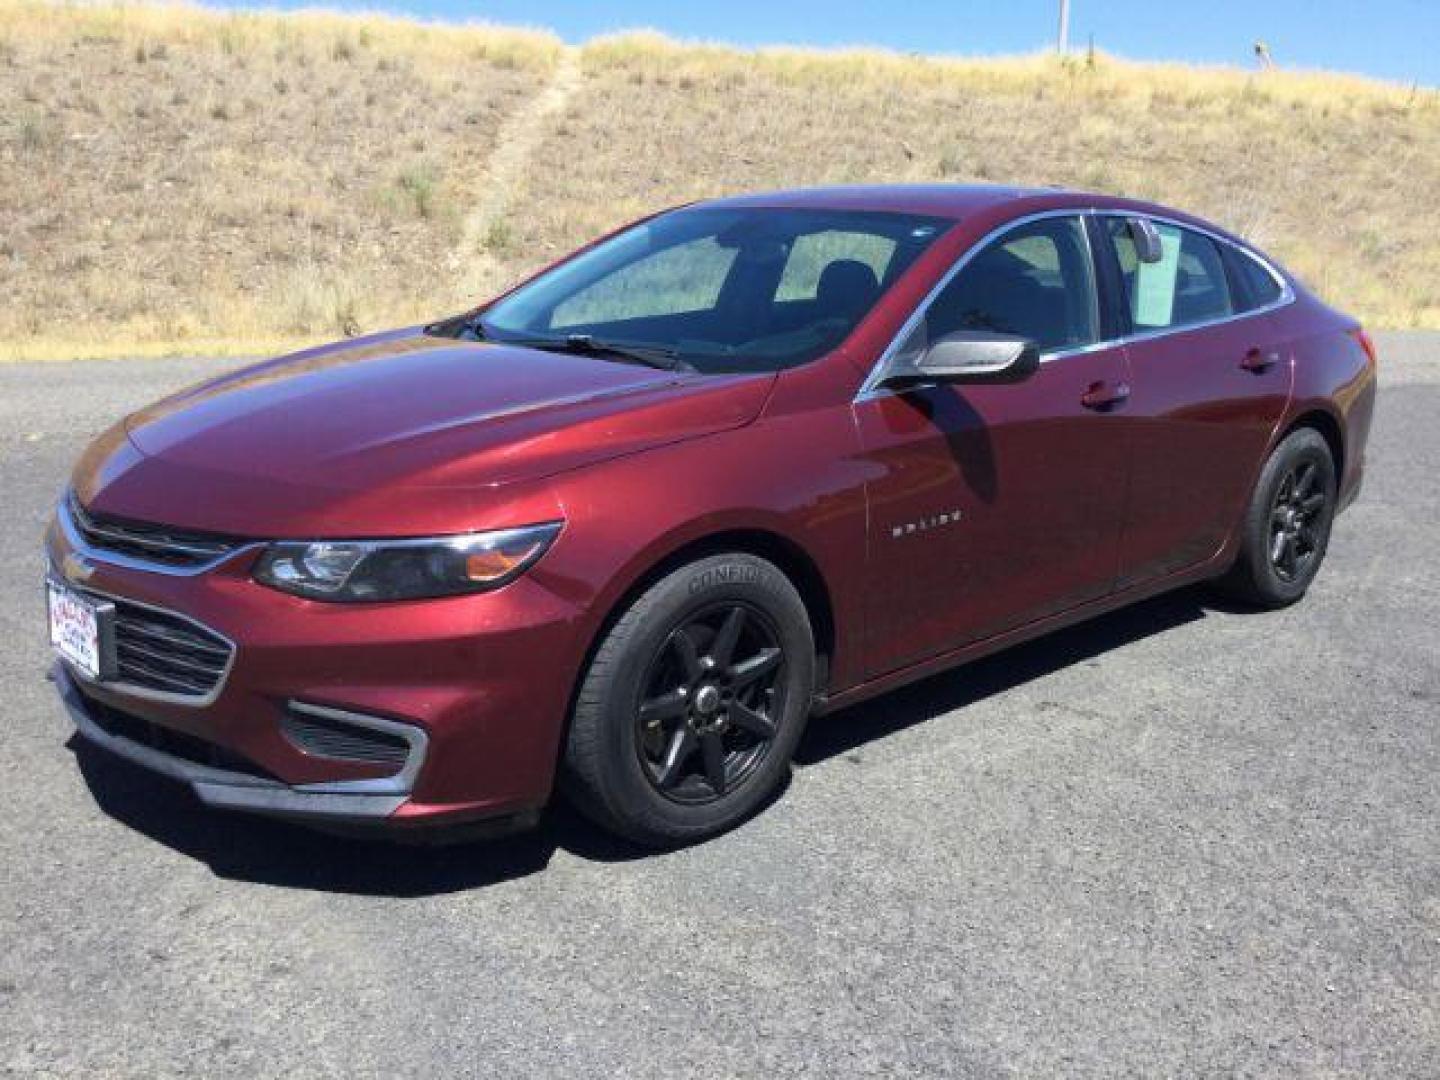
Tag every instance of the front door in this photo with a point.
(992, 506)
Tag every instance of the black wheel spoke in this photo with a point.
(758, 666)
(723, 647)
(1277, 547)
(681, 746)
(747, 719)
(1289, 553)
(1313, 504)
(684, 646)
(665, 707)
(1305, 482)
(713, 751)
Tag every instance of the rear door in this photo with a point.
(1210, 378)
(992, 506)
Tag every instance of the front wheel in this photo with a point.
(1287, 526)
(691, 708)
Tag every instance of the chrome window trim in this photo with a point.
(871, 388)
(197, 701)
(129, 562)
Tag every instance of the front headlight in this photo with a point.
(362, 570)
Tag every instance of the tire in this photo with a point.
(1286, 528)
(688, 714)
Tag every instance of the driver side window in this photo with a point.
(1035, 282)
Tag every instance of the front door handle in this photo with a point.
(1102, 395)
(1258, 360)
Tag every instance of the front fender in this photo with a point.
(793, 478)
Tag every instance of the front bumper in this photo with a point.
(230, 789)
(478, 685)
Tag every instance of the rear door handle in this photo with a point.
(1102, 395)
(1258, 360)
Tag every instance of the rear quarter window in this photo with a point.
(1254, 285)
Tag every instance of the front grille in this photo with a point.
(327, 737)
(166, 740)
(156, 650)
(150, 543)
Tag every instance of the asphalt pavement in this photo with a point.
(1182, 840)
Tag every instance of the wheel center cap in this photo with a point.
(707, 700)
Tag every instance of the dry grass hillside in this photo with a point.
(173, 179)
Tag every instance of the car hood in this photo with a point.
(400, 428)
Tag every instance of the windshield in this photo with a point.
(720, 290)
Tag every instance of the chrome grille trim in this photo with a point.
(143, 546)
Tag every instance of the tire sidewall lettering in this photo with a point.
(726, 574)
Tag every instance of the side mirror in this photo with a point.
(970, 356)
(1146, 238)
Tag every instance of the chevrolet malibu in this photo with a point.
(626, 527)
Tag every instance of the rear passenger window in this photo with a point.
(1035, 282)
(1186, 286)
(1255, 286)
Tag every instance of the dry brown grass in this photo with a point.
(173, 179)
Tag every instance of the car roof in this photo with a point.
(956, 201)
(941, 200)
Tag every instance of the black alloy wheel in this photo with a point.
(1286, 529)
(690, 709)
(707, 716)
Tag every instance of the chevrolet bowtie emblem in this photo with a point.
(77, 568)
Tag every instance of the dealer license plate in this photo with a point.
(78, 629)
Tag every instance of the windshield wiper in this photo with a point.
(656, 356)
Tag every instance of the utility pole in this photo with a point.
(1063, 42)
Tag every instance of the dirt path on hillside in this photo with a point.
(520, 136)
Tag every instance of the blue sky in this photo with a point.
(1393, 39)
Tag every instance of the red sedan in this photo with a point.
(628, 526)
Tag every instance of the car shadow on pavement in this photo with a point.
(850, 728)
(274, 852)
(271, 852)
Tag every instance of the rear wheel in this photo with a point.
(1287, 526)
(693, 704)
